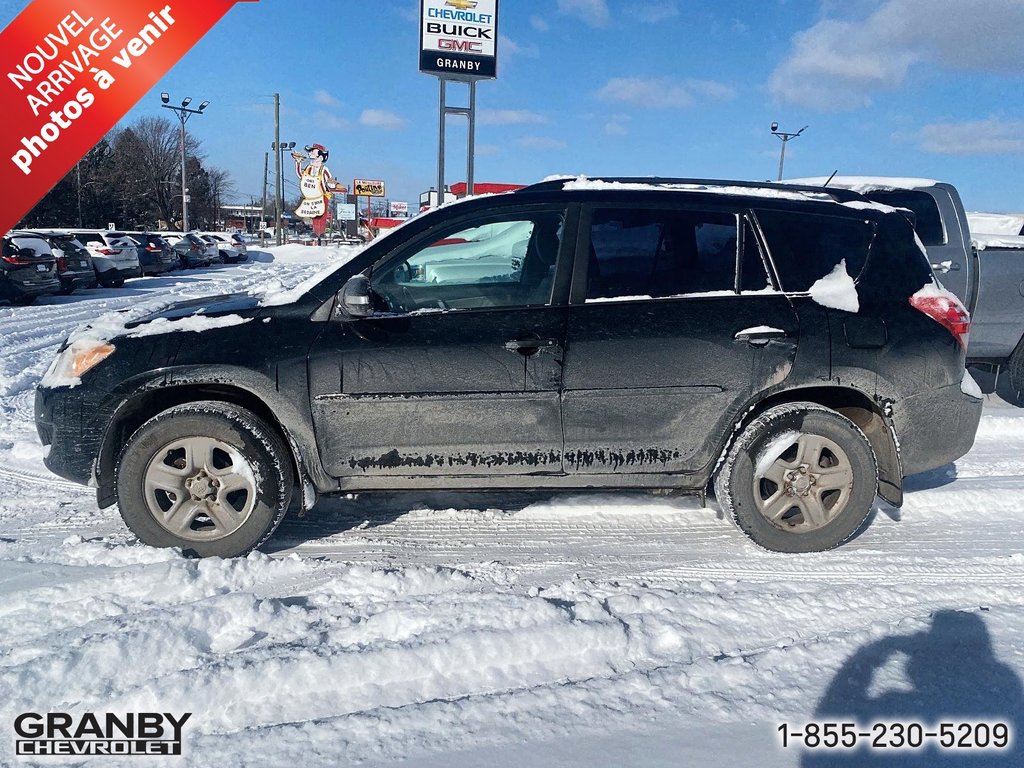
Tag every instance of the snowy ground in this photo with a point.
(507, 630)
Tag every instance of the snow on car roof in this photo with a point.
(725, 188)
(867, 183)
(768, 190)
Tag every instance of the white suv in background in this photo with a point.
(230, 245)
(114, 255)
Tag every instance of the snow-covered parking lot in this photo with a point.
(503, 629)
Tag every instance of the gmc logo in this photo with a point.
(468, 46)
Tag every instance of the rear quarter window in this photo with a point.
(926, 219)
(806, 247)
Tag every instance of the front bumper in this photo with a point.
(935, 428)
(72, 432)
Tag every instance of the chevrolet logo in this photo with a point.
(462, 5)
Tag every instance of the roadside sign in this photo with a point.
(346, 212)
(368, 188)
(459, 39)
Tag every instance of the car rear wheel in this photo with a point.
(799, 478)
(1016, 370)
(208, 477)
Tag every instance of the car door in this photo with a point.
(458, 372)
(673, 326)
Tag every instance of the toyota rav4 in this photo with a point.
(787, 347)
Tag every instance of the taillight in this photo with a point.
(945, 309)
(62, 264)
(153, 248)
(107, 251)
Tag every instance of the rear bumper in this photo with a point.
(13, 290)
(114, 275)
(72, 280)
(935, 428)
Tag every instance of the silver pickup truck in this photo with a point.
(986, 273)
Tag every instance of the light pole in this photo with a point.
(184, 113)
(786, 138)
(281, 148)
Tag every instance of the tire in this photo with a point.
(791, 513)
(197, 452)
(1015, 367)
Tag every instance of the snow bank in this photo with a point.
(981, 242)
(836, 290)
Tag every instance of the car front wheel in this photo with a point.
(799, 478)
(208, 477)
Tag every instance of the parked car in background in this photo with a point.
(74, 264)
(28, 268)
(155, 254)
(190, 249)
(231, 247)
(791, 350)
(986, 274)
(115, 256)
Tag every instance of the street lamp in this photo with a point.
(786, 138)
(184, 113)
(281, 147)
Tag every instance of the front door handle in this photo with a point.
(529, 347)
(760, 336)
(946, 266)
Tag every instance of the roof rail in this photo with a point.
(836, 193)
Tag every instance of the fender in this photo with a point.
(142, 397)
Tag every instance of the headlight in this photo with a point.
(79, 357)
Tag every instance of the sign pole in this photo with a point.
(471, 143)
(441, 141)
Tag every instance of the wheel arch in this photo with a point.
(867, 414)
(137, 410)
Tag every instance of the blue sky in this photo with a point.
(629, 87)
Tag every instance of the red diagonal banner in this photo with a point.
(70, 70)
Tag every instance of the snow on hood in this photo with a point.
(837, 290)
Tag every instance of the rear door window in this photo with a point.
(807, 247)
(658, 253)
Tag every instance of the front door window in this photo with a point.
(499, 263)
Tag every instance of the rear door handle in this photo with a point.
(946, 266)
(528, 347)
(759, 337)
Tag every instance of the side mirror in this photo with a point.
(354, 298)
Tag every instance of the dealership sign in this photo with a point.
(459, 38)
(367, 188)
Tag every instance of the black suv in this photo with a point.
(787, 345)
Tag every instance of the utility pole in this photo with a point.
(183, 113)
(263, 210)
(277, 168)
